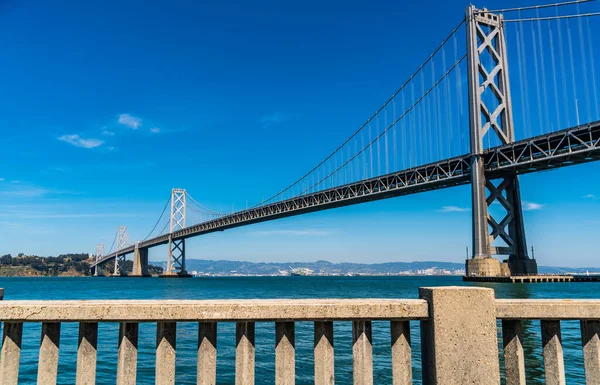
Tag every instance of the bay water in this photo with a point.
(88, 288)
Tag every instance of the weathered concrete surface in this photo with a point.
(362, 353)
(216, 310)
(207, 353)
(166, 346)
(86, 353)
(140, 263)
(554, 363)
(485, 267)
(548, 309)
(514, 357)
(48, 358)
(11, 353)
(244, 353)
(401, 353)
(128, 352)
(590, 333)
(285, 353)
(324, 354)
(459, 340)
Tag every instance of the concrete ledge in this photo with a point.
(547, 309)
(217, 310)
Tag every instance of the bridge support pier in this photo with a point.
(490, 113)
(176, 260)
(120, 266)
(140, 262)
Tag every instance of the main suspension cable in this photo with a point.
(113, 244)
(159, 218)
(531, 7)
(202, 206)
(574, 16)
(406, 83)
(390, 126)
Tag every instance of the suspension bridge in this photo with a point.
(458, 119)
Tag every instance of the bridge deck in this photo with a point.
(576, 145)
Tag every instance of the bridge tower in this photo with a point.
(121, 243)
(490, 113)
(99, 256)
(176, 257)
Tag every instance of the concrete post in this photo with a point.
(48, 358)
(459, 340)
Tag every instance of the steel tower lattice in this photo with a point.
(99, 255)
(176, 258)
(490, 113)
(121, 243)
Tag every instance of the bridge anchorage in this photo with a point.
(423, 147)
(492, 115)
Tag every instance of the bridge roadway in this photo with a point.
(575, 145)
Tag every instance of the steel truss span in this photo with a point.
(576, 145)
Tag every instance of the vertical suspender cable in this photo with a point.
(370, 154)
(385, 139)
(378, 148)
(431, 115)
(463, 146)
(574, 83)
(525, 111)
(562, 70)
(586, 87)
(412, 126)
(543, 64)
(395, 147)
(555, 82)
(537, 78)
(423, 123)
(593, 67)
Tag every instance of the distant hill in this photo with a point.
(266, 268)
(242, 267)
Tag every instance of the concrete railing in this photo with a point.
(459, 342)
(550, 312)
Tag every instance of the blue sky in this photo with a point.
(106, 106)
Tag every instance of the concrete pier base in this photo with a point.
(140, 262)
(486, 267)
(522, 266)
(184, 274)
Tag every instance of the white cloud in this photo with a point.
(78, 141)
(155, 130)
(590, 196)
(1, 179)
(275, 118)
(531, 206)
(108, 133)
(130, 121)
(21, 191)
(70, 216)
(454, 209)
(292, 232)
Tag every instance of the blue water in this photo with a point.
(268, 287)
